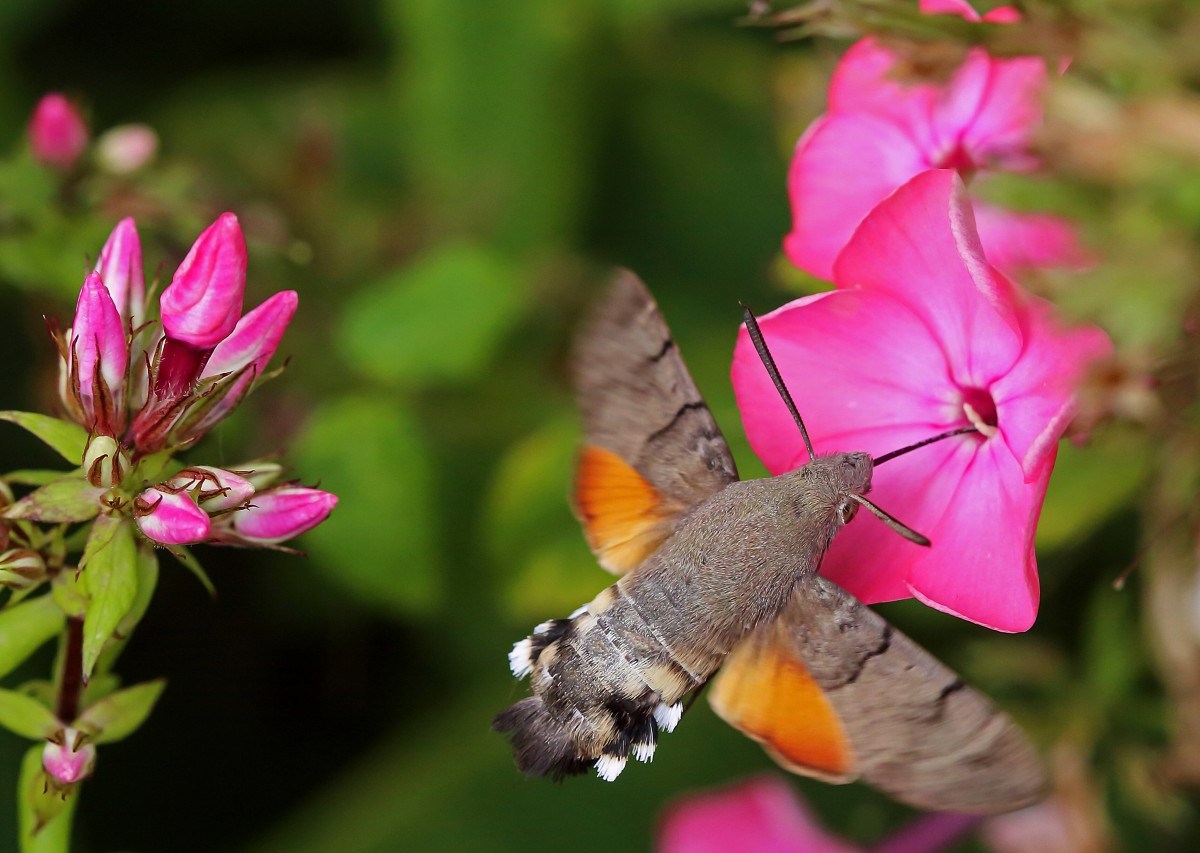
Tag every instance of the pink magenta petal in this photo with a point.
(869, 559)
(120, 267)
(98, 337)
(1007, 109)
(1035, 399)
(920, 246)
(280, 514)
(255, 338)
(843, 166)
(1014, 242)
(949, 7)
(982, 565)
(862, 368)
(865, 81)
(204, 300)
(173, 519)
(759, 816)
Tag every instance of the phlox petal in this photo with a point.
(864, 372)
(981, 566)
(1020, 241)
(1035, 399)
(1000, 107)
(922, 238)
(842, 168)
(762, 814)
(172, 518)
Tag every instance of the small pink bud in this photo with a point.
(255, 338)
(215, 489)
(277, 515)
(126, 148)
(69, 762)
(97, 357)
(170, 517)
(57, 132)
(120, 268)
(204, 300)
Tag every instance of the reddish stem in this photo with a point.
(71, 685)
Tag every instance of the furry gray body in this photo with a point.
(610, 678)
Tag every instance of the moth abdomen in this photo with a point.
(542, 746)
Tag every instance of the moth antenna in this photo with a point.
(764, 354)
(879, 460)
(896, 525)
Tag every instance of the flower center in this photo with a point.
(958, 159)
(980, 409)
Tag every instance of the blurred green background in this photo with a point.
(446, 184)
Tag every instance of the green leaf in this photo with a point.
(24, 628)
(69, 439)
(147, 581)
(33, 476)
(44, 813)
(111, 582)
(372, 455)
(189, 561)
(99, 537)
(119, 714)
(70, 499)
(440, 319)
(69, 593)
(25, 716)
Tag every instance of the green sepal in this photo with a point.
(24, 628)
(44, 812)
(110, 579)
(119, 714)
(26, 716)
(69, 439)
(71, 498)
(185, 556)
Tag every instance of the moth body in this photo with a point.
(608, 679)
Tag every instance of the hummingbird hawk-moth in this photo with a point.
(719, 580)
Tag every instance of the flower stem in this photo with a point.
(71, 685)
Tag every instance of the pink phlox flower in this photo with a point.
(58, 134)
(66, 760)
(97, 358)
(881, 130)
(761, 815)
(275, 515)
(120, 268)
(923, 336)
(169, 516)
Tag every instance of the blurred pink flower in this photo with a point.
(97, 358)
(57, 132)
(170, 516)
(758, 816)
(68, 762)
(921, 337)
(275, 515)
(880, 131)
(764, 815)
(120, 268)
(126, 148)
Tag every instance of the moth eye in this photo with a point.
(848, 510)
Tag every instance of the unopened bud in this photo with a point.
(66, 760)
(214, 489)
(21, 568)
(260, 474)
(105, 462)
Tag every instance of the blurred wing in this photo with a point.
(832, 690)
(652, 450)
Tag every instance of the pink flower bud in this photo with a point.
(170, 517)
(215, 489)
(255, 338)
(126, 148)
(68, 762)
(276, 515)
(202, 305)
(120, 267)
(97, 357)
(57, 132)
